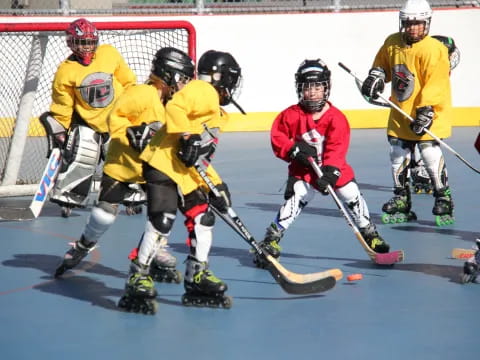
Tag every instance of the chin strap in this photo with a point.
(238, 106)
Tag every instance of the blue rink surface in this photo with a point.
(417, 309)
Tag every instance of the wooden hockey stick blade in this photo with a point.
(458, 253)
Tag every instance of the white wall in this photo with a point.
(269, 49)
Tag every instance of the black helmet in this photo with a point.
(453, 52)
(222, 71)
(312, 72)
(171, 65)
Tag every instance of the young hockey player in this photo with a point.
(193, 118)
(418, 67)
(315, 128)
(137, 115)
(84, 90)
(419, 175)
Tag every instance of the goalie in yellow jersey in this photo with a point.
(194, 118)
(137, 115)
(84, 89)
(418, 68)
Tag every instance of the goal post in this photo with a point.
(31, 53)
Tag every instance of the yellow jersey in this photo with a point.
(90, 90)
(138, 104)
(193, 109)
(420, 76)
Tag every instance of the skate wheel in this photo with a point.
(227, 302)
(386, 218)
(66, 212)
(186, 301)
(178, 277)
(418, 190)
(466, 278)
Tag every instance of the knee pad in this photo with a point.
(162, 222)
(434, 163)
(400, 157)
(206, 219)
(356, 205)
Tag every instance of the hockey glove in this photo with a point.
(223, 202)
(139, 136)
(423, 120)
(301, 151)
(56, 133)
(190, 149)
(330, 177)
(374, 83)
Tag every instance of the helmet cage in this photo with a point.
(415, 11)
(453, 52)
(82, 39)
(312, 74)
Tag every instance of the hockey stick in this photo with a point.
(46, 184)
(395, 106)
(378, 258)
(292, 283)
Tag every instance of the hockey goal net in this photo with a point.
(29, 56)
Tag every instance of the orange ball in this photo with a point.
(354, 277)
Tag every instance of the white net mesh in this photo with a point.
(29, 59)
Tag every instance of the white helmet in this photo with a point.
(416, 10)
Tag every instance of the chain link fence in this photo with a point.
(192, 7)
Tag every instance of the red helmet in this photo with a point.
(82, 39)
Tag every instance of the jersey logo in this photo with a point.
(403, 82)
(97, 90)
(315, 139)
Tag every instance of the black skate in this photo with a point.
(421, 180)
(443, 207)
(202, 288)
(374, 240)
(67, 202)
(73, 256)
(269, 245)
(398, 208)
(132, 208)
(471, 270)
(163, 268)
(139, 295)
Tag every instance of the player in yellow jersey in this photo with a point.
(418, 66)
(193, 119)
(84, 90)
(136, 116)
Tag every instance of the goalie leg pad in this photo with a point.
(103, 215)
(80, 158)
(354, 203)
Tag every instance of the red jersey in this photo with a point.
(330, 135)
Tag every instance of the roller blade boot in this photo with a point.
(374, 240)
(443, 207)
(398, 208)
(421, 181)
(202, 288)
(471, 268)
(163, 268)
(73, 256)
(269, 245)
(139, 295)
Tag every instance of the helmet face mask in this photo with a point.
(415, 17)
(82, 39)
(173, 67)
(312, 82)
(222, 71)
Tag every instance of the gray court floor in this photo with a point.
(415, 310)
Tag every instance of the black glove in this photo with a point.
(190, 149)
(139, 136)
(330, 177)
(223, 202)
(423, 120)
(374, 83)
(301, 151)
